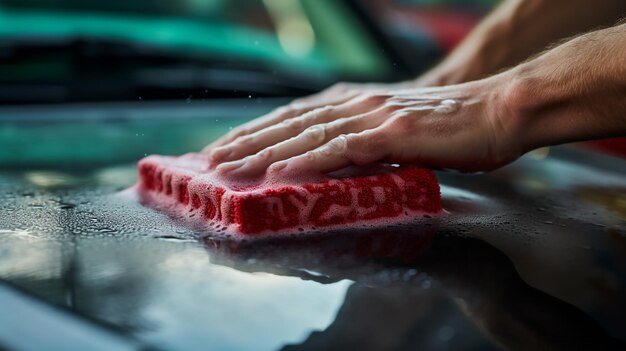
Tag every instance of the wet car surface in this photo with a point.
(530, 256)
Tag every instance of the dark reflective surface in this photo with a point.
(532, 256)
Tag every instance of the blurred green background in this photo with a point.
(86, 82)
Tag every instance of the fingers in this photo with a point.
(255, 142)
(310, 139)
(252, 143)
(356, 148)
(279, 115)
(273, 117)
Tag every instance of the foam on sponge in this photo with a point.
(286, 202)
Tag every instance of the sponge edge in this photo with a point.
(381, 194)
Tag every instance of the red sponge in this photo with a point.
(364, 195)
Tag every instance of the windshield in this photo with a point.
(299, 40)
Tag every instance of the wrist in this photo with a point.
(506, 111)
(527, 100)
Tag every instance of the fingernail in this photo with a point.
(217, 156)
(278, 166)
(220, 153)
(230, 166)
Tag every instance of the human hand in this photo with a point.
(464, 127)
(333, 96)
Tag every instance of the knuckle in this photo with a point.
(338, 145)
(314, 116)
(264, 154)
(294, 124)
(311, 156)
(315, 133)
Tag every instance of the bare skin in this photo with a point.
(575, 91)
(516, 30)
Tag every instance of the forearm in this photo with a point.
(574, 92)
(516, 30)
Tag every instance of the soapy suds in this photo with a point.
(282, 202)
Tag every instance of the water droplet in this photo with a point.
(66, 205)
(173, 238)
